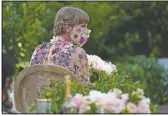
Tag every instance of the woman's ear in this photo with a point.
(68, 28)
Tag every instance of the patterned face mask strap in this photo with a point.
(72, 30)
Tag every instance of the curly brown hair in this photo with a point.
(68, 15)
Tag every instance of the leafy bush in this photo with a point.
(153, 77)
(103, 83)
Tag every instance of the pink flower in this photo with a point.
(132, 107)
(116, 105)
(77, 100)
(143, 107)
(104, 98)
(125, 97)
(83, 108)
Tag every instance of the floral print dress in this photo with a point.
(63, 52)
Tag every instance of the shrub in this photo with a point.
(104, 83)
(147, 71)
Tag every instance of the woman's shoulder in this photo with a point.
(44, 45)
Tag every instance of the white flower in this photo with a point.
(143, 107)
(146, 100)
(125, 97)
(106, 98)
(100, 64)
(132, 107)
(94, 95)
(117, 91)
(139, 93)
(133, 93)
(112, 94)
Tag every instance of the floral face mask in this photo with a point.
(80, 36)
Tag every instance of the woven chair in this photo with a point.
(31, 79)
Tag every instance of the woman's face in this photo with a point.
(80, 34)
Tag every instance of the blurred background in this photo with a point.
(131, 35)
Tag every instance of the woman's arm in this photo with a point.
(80, 65)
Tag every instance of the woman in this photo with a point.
(70, 34)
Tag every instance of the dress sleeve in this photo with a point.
(80, 65)
(32, 60)
(37, 56)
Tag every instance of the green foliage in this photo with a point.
(117, 27)
(153, 77)
(20, 66)
(56, 93)
(24, 27)
(140, 29)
